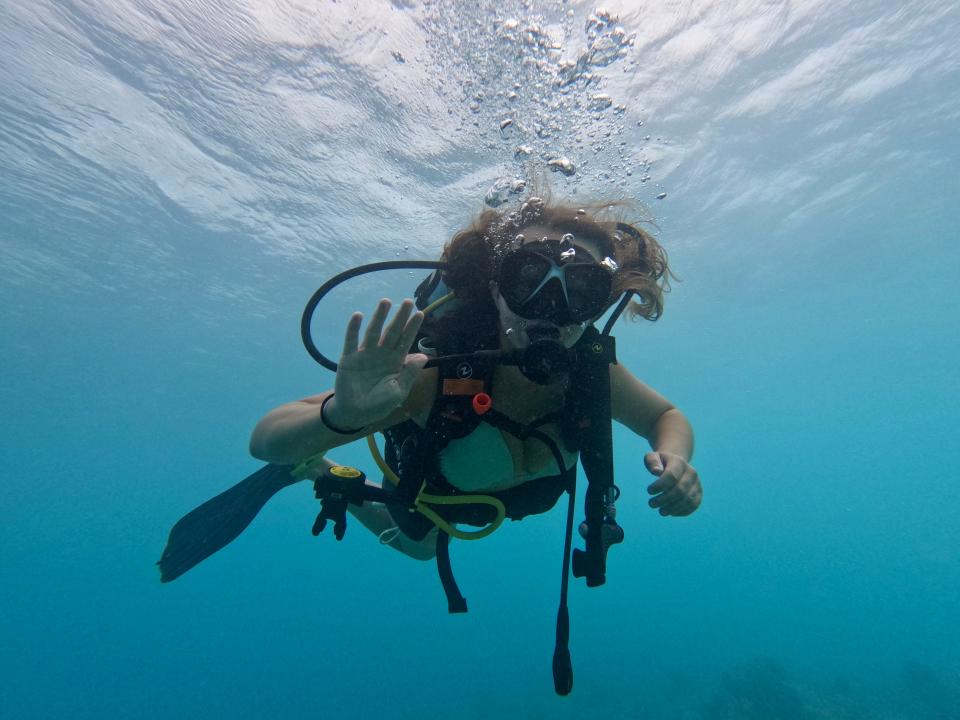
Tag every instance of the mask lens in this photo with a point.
(588, 290)
(520, 275)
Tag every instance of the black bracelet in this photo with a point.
(327, 423)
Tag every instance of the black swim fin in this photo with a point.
(216, 523)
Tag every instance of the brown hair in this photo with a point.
(473, 254)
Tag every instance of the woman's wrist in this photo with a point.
(332, 426)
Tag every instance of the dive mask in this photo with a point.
(551, 280)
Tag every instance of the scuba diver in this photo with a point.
(487, 391)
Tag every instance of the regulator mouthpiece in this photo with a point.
(546, 361)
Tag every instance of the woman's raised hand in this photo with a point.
(375, 375)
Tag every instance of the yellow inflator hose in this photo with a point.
(424, 499)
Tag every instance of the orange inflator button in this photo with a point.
(481, 403)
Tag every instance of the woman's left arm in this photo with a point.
(677, 490)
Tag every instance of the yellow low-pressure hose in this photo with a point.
(437, 303)
(424, 499)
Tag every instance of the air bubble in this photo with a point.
(563, 165)
(600, 102)
(532, 209)
(501, 190)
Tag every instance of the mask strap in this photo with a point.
(621, 306)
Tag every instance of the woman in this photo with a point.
(542, 274)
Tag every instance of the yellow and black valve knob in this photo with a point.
(335, 488)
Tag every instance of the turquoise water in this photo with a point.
(178, 177)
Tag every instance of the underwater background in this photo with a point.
(178, 176)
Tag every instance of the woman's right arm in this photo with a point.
(373, 384)
(296, 430)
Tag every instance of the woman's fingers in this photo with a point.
(685, 505)
(398, 334)
(410, 331)
(667, 496)
(677, 490)
(684, 498)
(397, 330)
(394, 337)
(371, 338)
(670, 501)
(352, 337)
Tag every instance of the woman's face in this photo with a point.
(516, 332)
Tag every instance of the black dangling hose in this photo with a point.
(456, 602)
(562, 663)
